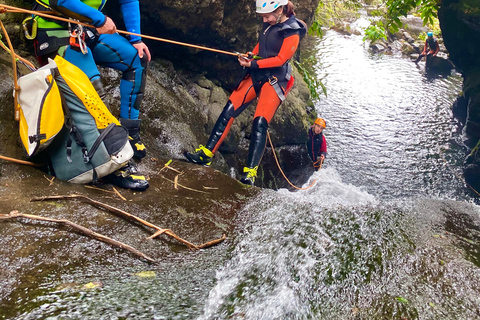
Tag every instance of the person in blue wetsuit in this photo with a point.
(88, 47)
(103, 47)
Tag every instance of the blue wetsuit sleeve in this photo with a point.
(76, 8)
(131, 16)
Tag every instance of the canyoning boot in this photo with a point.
(258, 139)
(249, 175)
(128, 178)
(201, 156)
(133, 127)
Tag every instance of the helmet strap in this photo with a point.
(279, 17)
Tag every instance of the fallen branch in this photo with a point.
(122, 213)
(79, 228)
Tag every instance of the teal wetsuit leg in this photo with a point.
(114, 51)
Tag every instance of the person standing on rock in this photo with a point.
(431, 45)
(86, 47)
(317, 144)
(269, 78)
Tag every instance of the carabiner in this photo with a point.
(33, 34)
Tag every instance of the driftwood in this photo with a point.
(124, 214)
(16, 215)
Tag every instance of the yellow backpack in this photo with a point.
(41, 112)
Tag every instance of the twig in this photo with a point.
(212, 243)
(118, 193)
(167, 166)
(175, 182)
(210, 188)
(158, 232)
(50, 180)
(184, 186)
(79, 228)
(99, 189)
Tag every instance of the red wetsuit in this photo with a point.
(269, 79)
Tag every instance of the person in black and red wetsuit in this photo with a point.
(269, 79)
(317, 144)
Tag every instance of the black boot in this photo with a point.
(128, 178)
(133, 127)
(201, 156)
(258, 140)
(249, 175)
(419, 58)
(219, 129)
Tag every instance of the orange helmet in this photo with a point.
(321, 123)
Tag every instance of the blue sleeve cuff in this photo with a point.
(131, 16)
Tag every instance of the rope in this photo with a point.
(27, 63)
(16, 87)
(458, 176)
(8, 8)
(278, 164)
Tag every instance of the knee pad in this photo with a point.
(259, 127)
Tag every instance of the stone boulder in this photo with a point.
(438, 64)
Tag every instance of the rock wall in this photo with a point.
(460, 24)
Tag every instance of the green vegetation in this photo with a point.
(312, 82)
(426, 9)
(375, 32)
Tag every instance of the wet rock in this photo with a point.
(408, 37)
(378, 47)
(438, 64)
(413, 25)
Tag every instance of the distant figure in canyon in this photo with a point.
(269, 78)
(317, 144)
(431, 47)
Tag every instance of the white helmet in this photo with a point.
(267, 6)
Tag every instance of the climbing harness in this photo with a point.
(278, 164)
(77, 38)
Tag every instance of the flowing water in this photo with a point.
(389, 231)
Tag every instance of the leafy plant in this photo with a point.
(428, 10)
(375, 32)
(312, 82)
